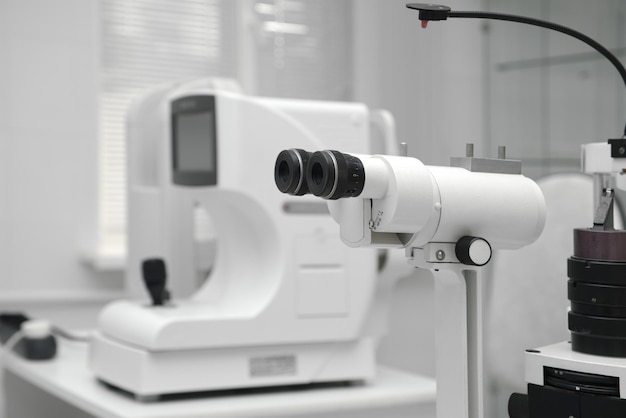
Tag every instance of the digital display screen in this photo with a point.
(195, 142)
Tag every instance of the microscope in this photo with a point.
(449, 219)
(283, 302)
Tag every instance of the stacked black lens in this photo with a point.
(597, 292)
(326, 174)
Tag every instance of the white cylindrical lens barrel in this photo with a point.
(410, 201)
(376, 177)
(507, 210)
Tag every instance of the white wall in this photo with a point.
(48, 150)
(48, 160)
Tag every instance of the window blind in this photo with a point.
(304, 49)
(146, 43)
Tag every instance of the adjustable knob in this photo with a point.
(473, 251)
(154, 277)
(518, 406)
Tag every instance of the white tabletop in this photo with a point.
(68, 378)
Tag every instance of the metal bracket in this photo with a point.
(487, 165)
(498, 165)
(618, 147)
(603, 219)
(436, 253)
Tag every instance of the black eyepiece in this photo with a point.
(333, 175)
(326, 174)
(289, 171)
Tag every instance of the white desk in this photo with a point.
(65, 387)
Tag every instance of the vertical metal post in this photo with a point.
(459, 331)
(404, 149)
(502, 153)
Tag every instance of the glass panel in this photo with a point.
(548, 93)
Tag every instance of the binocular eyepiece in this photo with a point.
(326, 174)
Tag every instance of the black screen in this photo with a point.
(195, 144)
(194, 141)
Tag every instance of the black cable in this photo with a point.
(434, 12)
(72, 336)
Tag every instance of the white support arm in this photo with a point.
(459, 337)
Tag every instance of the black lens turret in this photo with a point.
(597, 292)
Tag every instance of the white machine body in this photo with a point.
(561, 356)
(405, 203)
(285, 301)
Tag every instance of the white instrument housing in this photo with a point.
(406, 203)
(285, 302)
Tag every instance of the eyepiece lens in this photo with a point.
(326, 174)
(289, 171)
(317, 173)
(334, 175)
(283, 171)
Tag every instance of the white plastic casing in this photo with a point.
(596, 160)
(507, 210)
(282, 285)
(561, 356)
(36, 328)
(405, 202)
